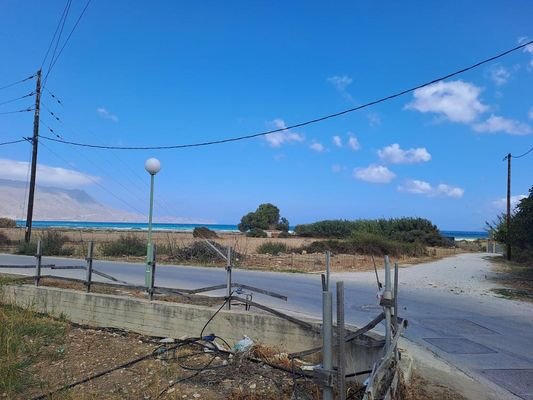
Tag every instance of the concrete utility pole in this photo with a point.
(35, 142)
(508, 206)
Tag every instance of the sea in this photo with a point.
(126, 226)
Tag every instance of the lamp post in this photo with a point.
(152, 166)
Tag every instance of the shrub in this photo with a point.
(204, 233)
(266, 216)
(368, 244)
(52, 243)
(256, 232)
(202, 252)
(284, 235)
(4, 240)
(273, 248)
(126, 245)
(7, 223)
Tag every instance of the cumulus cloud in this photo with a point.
(393, 154)
(340, 82)
(337, 141)
(457, 101)
(425, 188)
(501, 203)
(495, 124)
(353, 143)
(276, 139)
(500, 75)
(105, 114)
(46, 175)
(529, 47)
(374, 174)
(318, 147)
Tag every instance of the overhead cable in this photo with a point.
(18, 98)
(17, 111)
(305, 123)
(59, 24)
(523, 155)
(12, 142)
(17, 82)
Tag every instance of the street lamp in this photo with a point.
(152, 166)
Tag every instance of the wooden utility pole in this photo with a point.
(508, 206)
(35, 142)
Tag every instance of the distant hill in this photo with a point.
(56, 204)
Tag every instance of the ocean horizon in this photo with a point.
(158, 226)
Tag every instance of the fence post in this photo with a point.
(327, 338)
(341, 355)
(89, 270)
(38, 257)
(328, 262)
(395, 320)
(228, 277)
(152, 271)
(387, 298)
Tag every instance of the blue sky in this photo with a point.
(167, 72)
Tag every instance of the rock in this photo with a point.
(252, 386)
(172, 390)
(196, 395)
(166, 340)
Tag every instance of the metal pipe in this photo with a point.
(89, 270)
(341, 355)
(228, 277)
(38, 257)
(327, 343)
(387, 297)
(395, 320)
(149, 249)
(328, 262)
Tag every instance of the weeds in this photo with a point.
(126, 245)
(52, 242)
(274, 248)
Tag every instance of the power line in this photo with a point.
(308, 122)
(54, 96)
(50, 112)
(17, 82)
(18, 98)
(523, 155)
(62, 22)
(67, 40)
(18, 111)
(63, 16)
(12, 142)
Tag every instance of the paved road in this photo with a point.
(448, 303)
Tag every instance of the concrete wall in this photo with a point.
(165, 319)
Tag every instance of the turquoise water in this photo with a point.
(469, 235)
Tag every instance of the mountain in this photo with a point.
(57, 204)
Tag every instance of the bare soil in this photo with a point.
(516, 279)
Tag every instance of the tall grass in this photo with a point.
(24, 336)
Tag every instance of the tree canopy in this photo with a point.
(521, 234)
(266, 216)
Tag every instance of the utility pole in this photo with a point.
(35, 141)
(508, 206)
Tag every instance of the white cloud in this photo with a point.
(500, 75)
(496, 124)
(340, 82)
(46, 175)
(353, 143)
(337, 141)
(106, 114)
(457, 101)
(318, 147)
(425, 188)
(336, 168)
(374, 119)
(374, 174)
(276, 139)
(501, 204)
(530, 113)
(416, 186)
(395, 155)
(450, 191)
(529, 47)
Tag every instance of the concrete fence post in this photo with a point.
(387, 298)
(152, 271)
(327, 344)
(38, 258)
(89, 269)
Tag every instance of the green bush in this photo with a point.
(266, 216)
(284, 235)
(204, 233)
(273, 248)
(366, 243)
(411, 230)
(7, 223)
(126, 245)
(201, 252)
(256, 232)
(52, 244)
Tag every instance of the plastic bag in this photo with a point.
(244, 344)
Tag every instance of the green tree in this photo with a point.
(521, 232)
(265, 217)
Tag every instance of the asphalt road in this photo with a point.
(448, 303)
